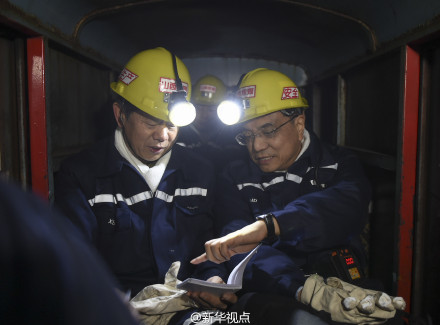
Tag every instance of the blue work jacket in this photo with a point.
(140, 233)
(46, 260)
(320, 202)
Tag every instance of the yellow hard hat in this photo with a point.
(265, 91)
(148, 79)
(208, 90)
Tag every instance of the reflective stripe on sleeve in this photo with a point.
(290, 177)
(294, 178)
(241, 186)
(334, 166)
(192, 191)
(111, 198)
(143, 196)
(276, 180)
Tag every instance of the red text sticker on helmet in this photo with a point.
(246, 92)
(290, 93)
(127, 76)
(168, 85)
(208, 88)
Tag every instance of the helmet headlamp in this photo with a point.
(263, 91)
(181, 112)
(231, 110)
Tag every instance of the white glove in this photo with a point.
(348, 303)
(158, 303)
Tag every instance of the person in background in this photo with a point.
(301, 197)
(50, 275)
(207, 136)
(143, 202)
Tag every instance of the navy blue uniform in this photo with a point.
(50, 275)
(140, 233)
(320, 202)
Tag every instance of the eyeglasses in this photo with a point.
(245, 137)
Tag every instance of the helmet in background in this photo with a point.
(209, 90)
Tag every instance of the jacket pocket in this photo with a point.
(192, 205)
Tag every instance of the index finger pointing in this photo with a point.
(200, 259)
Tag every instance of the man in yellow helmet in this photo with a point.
(143, 202)
(207, 135)
(207, 93)
(301, 197)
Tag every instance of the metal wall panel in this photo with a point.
(9, 148)
(432, 251)
(370, 96)
(326, 111)
(427, 241)
(372, 99)
(80, 105)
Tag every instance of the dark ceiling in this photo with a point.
(315, 34)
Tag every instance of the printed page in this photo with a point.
(234, 281)
(236, 276)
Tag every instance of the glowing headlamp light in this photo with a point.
(230, 111)
(181, 112)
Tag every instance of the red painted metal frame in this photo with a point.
(408, 172)
(37, 116)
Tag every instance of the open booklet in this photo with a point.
(234, 281)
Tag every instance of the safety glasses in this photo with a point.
(245, 137)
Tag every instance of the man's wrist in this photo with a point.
(270, 225)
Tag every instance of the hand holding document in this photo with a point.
(234, 281)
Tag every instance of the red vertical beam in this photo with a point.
(408, 172)
(37, 116)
